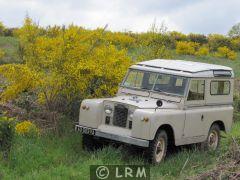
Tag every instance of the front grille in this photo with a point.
(120, 115)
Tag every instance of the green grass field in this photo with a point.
(51, 157)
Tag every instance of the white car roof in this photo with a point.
(181, 67)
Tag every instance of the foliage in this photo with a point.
(2, 29)
(236, 105)
(6, 132)
(226, 53)
(217, 40)
(186, 48)
(19, 79)
(2, 53)
(178, 36)
(202, 51)
(198, 38)
(235, 44)
(119, 39)
(64, 63)
(67, 64)
(235, 31)
(27, 128)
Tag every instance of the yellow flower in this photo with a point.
(26, 128)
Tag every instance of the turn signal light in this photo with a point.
(85, 107)
(145, 119)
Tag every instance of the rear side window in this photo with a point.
(220, 87)
(196, 91)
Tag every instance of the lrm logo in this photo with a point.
(112, 172)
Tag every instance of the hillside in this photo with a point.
(47, 90)
(11, 46)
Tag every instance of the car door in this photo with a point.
(194, 109)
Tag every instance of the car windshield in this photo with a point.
(145, 80)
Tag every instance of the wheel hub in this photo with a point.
(213, 140)
(160, 148)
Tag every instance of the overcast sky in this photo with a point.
(198, 16)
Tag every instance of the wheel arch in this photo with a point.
(221, 125)
(170, 133)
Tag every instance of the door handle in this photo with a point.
(202, 117)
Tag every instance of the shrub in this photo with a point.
(119, 39)
(178, 36)
(186, 48)
(202, 51)
(27, 128)
(2, 29)
(225, 52)
(2, 53)
(6, 132)
(217, 40)
(198, 38)
(235, 44)
(70, 65)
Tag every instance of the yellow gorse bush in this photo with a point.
(26, 128)
(186, 48)
(235, 44)
(68, 62)
(225, 52)
(202, 51)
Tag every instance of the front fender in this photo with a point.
(147, 130)
(140, 128)
(91, 112)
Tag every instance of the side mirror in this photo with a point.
(159, 103)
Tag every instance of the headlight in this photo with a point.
(108, 109)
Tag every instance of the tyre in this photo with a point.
(158, 148)
(213, 139)
(89, 143)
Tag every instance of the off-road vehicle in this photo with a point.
(161, 103)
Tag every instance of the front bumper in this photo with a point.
(115, 137)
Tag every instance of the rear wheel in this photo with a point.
(158, 148)
(213, 139)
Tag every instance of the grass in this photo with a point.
(51, 157)
(10, 46)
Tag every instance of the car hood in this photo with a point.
(143, 102)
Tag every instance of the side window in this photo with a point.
(196, 90)
(220, 87)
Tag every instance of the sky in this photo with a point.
(197, 16)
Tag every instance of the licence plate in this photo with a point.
(85, 130)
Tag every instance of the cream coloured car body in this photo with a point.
(190, 121)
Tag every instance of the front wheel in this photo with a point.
(213, 139)
(89, 143)
(158, 148)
